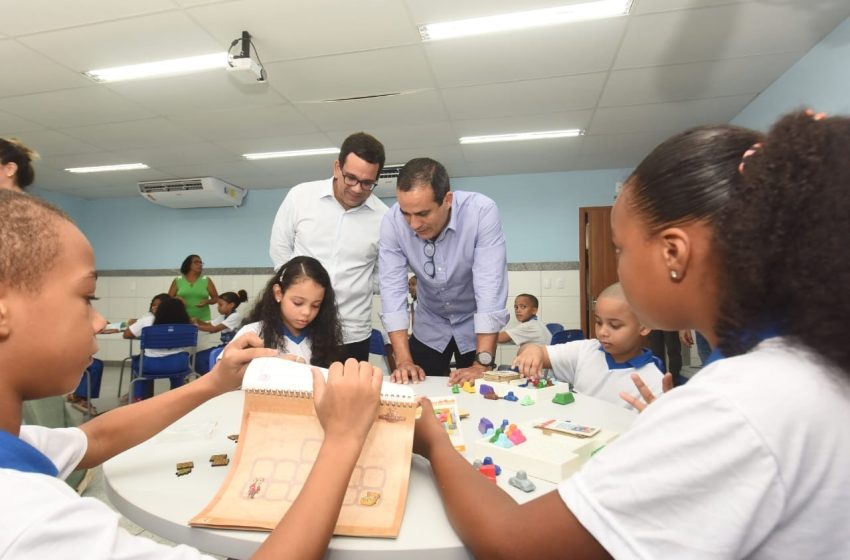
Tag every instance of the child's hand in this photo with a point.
(645, 392)
(428, 429)
(347, 403)
(235, 357)
(529, 360)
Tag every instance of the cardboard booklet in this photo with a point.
(279, 441)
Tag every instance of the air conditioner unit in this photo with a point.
(200, 192)
(387, 181)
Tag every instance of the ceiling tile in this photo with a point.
(522, 55)
(677, 115)
(32, 16)
(33, 72)
(551, 95)
(277, 143)
(538, 156)
(205, 91)
(126, 41)
(11, 124)
(180, 154)
(726, 31)
(525, 123)
(292, 30)
(134, 134)
(50, 143)
(75, 107)
(352, 75)
(363, 114)
(694, 80)
(246, 122)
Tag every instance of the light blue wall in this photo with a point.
(820, 80)
(539, 214)
(73, 206)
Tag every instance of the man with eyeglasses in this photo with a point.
(337, 221)
(453, 242)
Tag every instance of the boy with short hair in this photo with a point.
(530, 328)
(47, 276)
(600, 367)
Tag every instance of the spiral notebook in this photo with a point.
(279, 441)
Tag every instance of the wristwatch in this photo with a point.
(486, 359)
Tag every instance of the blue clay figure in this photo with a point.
(511, 397)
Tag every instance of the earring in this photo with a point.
(674, 275)
(277, 300)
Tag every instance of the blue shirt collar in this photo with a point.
(642, 359)
(716, 354)
(296, 339)
(17, 454)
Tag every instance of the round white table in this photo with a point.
(142, 484)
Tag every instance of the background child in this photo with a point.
(600, 367)
(750, 457)
(135, 326)
(45, 518)
(227, 321)
(530, 328)
(297, 313)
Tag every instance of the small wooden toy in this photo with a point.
(185, 465)
(233, 437)
(219, 460)
(183, 472)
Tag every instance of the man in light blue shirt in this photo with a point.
(453, 242)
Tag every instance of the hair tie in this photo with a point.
(815, 116)
(750, 151)
(282, 272)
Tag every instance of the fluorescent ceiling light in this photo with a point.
(159, 69)
(523, 20)
(569, 133)
(99, 168)
(292, 153)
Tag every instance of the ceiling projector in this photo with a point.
(246, 70)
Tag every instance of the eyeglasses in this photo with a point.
(429, 248)
(352, 181)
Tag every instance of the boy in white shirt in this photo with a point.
(600, 367)
(530, 328)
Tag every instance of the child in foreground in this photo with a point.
(47, 274)
(600, 367)
(751, 458)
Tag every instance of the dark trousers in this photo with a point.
(667, 346)
(437, 363)
(357, 350)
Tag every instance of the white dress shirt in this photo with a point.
(312, 222)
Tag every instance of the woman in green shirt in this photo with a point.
(196, 290)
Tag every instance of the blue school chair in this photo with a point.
(174, 367)
(561, 337)
(554, 327)
(89, 386)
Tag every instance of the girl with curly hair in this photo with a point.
(743, 237)
(297, 314)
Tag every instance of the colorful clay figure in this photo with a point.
(468, 386)
(455, 389)
(489, 461)
(511, 397)
(521, 481)
(484, 389)
(527, 401)
(563, 398)
(485, 425)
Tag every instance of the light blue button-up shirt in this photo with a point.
(469, 290)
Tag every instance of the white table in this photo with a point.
(142, 484)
